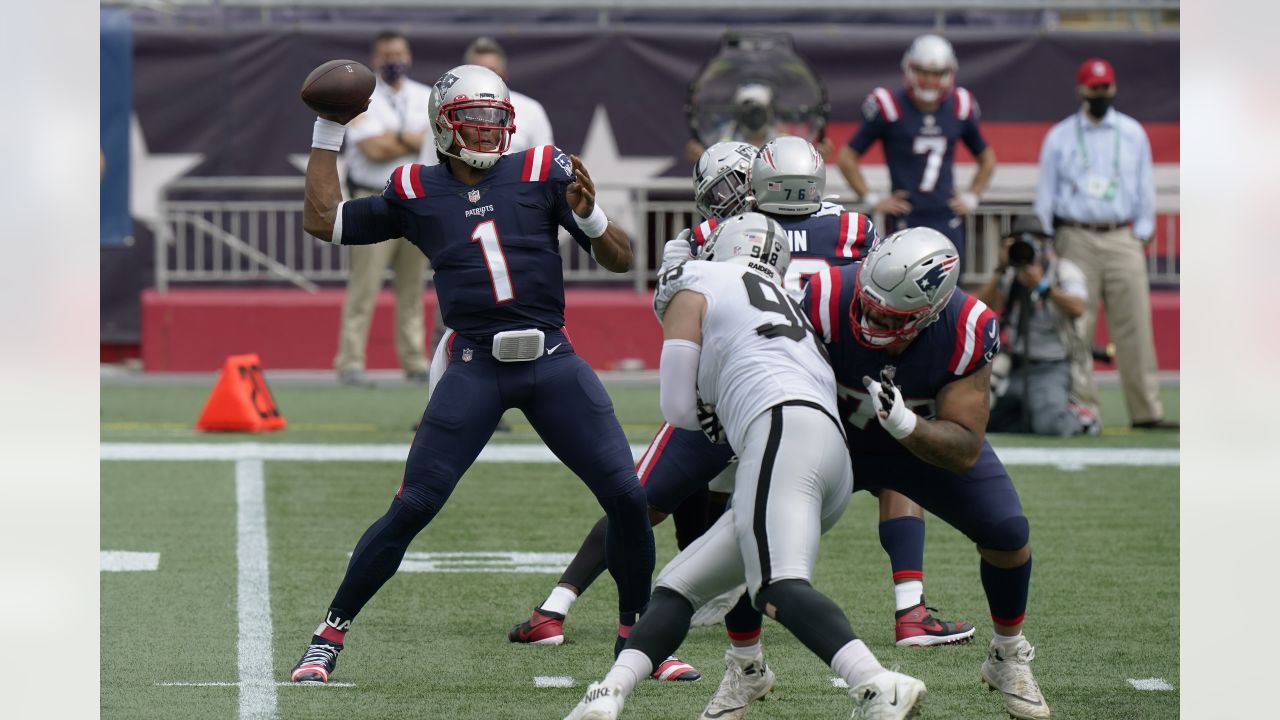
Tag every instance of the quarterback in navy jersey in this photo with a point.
(918, 126)
(488, 223)
(912, 358)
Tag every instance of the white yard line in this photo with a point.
(554, 681)
(236, 684)
(1067, 458)
(127, 561)
(253, 595)
(1150, 684)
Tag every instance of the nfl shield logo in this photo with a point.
(467, 354)
(474, 196)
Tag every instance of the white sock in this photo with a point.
(628, 670)
(746, 653)
(1008, 643)
(855, 663)
(908, 594)
(560, 600)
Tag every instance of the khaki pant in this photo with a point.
(369, 264)
(1116, 272)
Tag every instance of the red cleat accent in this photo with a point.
(542, 628)
(674, 669)
(916, 627)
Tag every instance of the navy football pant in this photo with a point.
(572, 413)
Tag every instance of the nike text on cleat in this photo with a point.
(887, 696)
(740, 686)
(542, 628)
(917, 627)
(1010, 673)
(599, 702)
(317, 664)
(673, 669)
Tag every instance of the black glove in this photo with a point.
(710, 423)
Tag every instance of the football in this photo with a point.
(338, 87)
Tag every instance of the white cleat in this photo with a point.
(1011, 675)
(713, 612)
(887, 696)
(739, 688)
(599, 702)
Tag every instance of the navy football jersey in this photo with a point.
(920, 147)
(828, 238)
(960, 342)
(493, 245)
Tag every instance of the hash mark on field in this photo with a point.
(552, 681)
(1150, 684)
(839, 683)
(253, 595)
(126, 561)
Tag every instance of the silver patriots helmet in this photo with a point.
(788, 177)
(753, 240)
(931, 53)
(902, 286)
(470, 100)
(720, 179)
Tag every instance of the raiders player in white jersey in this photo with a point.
(741, 362)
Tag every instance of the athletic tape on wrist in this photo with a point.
(327, 135)
(593, 225)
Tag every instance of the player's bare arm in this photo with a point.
(384, 147)
(954, 439)
(847, 159)
(966, 202)
(323, 189)
(612, 249)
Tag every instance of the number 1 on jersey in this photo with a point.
(486, 233)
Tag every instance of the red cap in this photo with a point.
(1095, 71)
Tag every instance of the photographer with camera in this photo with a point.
(1041, 297)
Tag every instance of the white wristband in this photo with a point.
(327, 135)
(870, 199)
(595, 225)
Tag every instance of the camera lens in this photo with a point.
(1021, 253)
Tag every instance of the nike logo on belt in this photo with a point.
(553, 349)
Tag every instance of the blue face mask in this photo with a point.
(392, 72)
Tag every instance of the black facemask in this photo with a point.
(1098, 106)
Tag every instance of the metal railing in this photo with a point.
(249, 231)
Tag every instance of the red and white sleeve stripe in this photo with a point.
(968, 351)
(853, 235)
(703, 231)
(537, 164)
(964, 103)
(407, 182)
(888, 105)
(824, 304)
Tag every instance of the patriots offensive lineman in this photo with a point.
(919, 125)
(488, 223)
(739, 359)
(912, 360)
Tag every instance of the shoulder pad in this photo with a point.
(546, 162)
(977, 335)
(882, 101)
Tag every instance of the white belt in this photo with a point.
(518, 345)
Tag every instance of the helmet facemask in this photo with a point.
(727, 195)
(892, 328)
(480, 129)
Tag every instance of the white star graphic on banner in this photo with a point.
(149, 173)
(611, 171)
(299, 160)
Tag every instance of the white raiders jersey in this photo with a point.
(758, 348)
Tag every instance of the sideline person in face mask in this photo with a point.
(1097, 195)
(389, 134)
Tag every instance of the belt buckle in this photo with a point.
(518, 345)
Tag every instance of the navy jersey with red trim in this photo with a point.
(959, 343)
(920, 147)
(493, 245)
(828, 238)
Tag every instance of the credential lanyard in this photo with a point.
(1084, 149)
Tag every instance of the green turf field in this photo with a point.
(207, 636)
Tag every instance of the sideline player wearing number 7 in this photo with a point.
(488, 223)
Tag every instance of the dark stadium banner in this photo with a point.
(233, 95)
(116, 102)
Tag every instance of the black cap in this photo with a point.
(1027, 224)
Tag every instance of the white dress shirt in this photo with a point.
(389, 111)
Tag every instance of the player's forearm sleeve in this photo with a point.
(678, 383)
